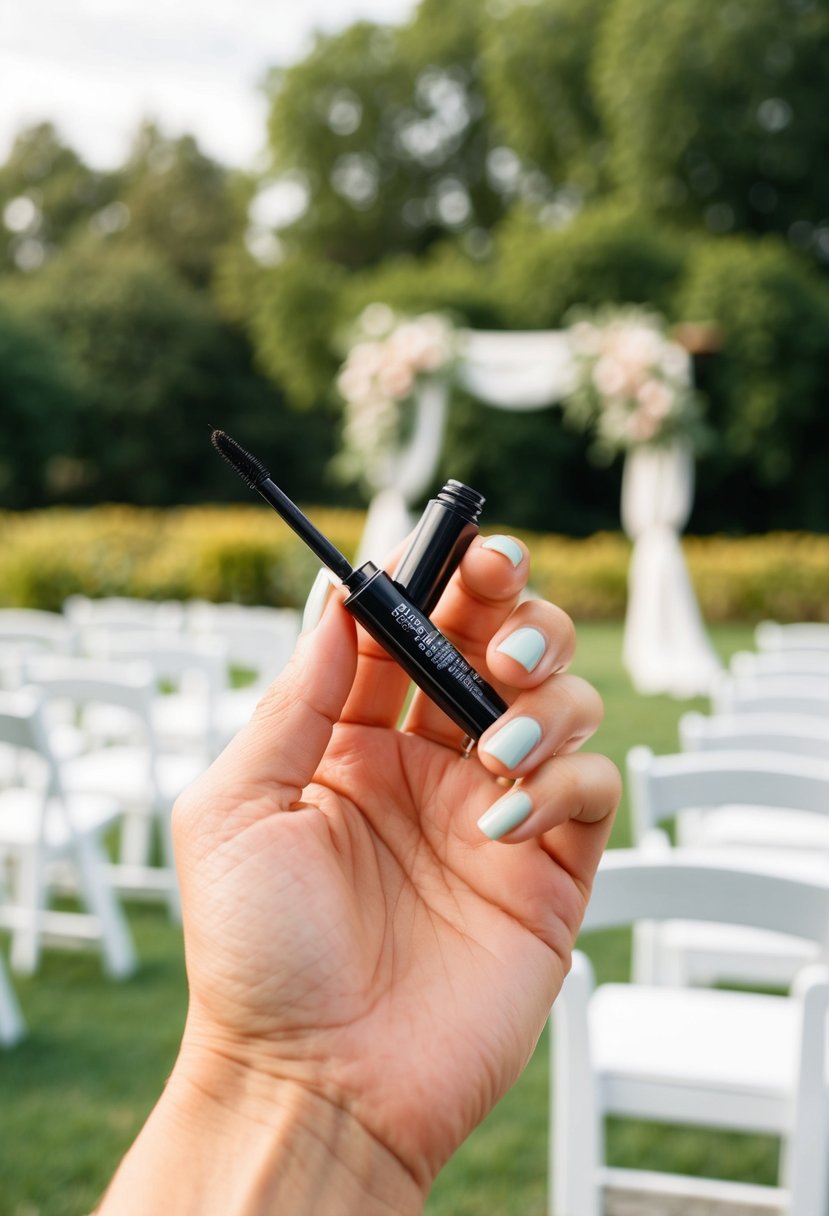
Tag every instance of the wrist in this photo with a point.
(238, 1142)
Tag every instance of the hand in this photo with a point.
(353, 938)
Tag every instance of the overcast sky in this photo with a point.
(96, 67)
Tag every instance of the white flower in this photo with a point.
(656, 399)
(610, 377)
(376, 320)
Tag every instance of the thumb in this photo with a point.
(277, 753)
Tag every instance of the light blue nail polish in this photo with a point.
(514, 741)
(317, 599)
(505, 814)
(526, 646)
(505, 545)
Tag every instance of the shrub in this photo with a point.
(242, 554)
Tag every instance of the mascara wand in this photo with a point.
(254, 473)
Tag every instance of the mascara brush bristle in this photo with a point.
(246, 465)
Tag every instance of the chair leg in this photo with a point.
(577, 1132)
(12, 1026)
(117, 946)
(805, 1155)
(30, 897)
(136, 839)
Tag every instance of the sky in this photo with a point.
(97, 67)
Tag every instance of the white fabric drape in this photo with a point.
(665, 645)
(666, 648)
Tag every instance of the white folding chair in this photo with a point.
(741, 1061)
(799, 694)
(257, 640)
(42, 824)
(800, 635)
(797, 734)
(771, 807)
(131, 770)
(191, 673)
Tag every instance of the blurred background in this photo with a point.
(197, 202)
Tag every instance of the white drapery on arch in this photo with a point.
(666, 648)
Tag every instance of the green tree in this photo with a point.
(154, 366)
(715, 112)
(537, 60)
(176, 201)
(380, 139)
(47, 197)
(768, 386)
(39, 404)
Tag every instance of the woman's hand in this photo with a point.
(362, 955)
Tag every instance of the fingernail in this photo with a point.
(526, 646)
(505, 814)
(317, 599)
(514, 741)
(507, 546)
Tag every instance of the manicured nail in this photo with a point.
(514, 741)
(317, 599)
(526, 646)
(505, 545)
(505, 814)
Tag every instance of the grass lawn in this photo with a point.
(75, 1093)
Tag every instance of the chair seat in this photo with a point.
(757, 827)
(711, 951)
(20, 810)
(695, 1055)
(124, 773)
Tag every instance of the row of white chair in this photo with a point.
(116, 708)
(741, 896)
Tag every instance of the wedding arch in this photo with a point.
(666, 648)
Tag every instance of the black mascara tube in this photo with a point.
(444, 532)
(429, 658)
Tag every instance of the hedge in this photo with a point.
(244, 555)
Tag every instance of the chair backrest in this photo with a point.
(774, 664)
(33, 627)
(632, 886)
(661, 786)
(798, 734)
(173, 657)
(123, 612)
(260, 640)
(801, 635)
(782, 694)
(84, 682)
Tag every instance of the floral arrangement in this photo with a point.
(388, 356)
(632, 385)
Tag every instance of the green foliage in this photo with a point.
(768, 384)
(54, 196)
(608, 255)
(176, 202)
(536, 59)
(386, 130)
(39, 404)
(715, 112)
(155, 366)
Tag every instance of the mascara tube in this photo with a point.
(404, 630)
(443, 534)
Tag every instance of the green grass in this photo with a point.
(74, 1094)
